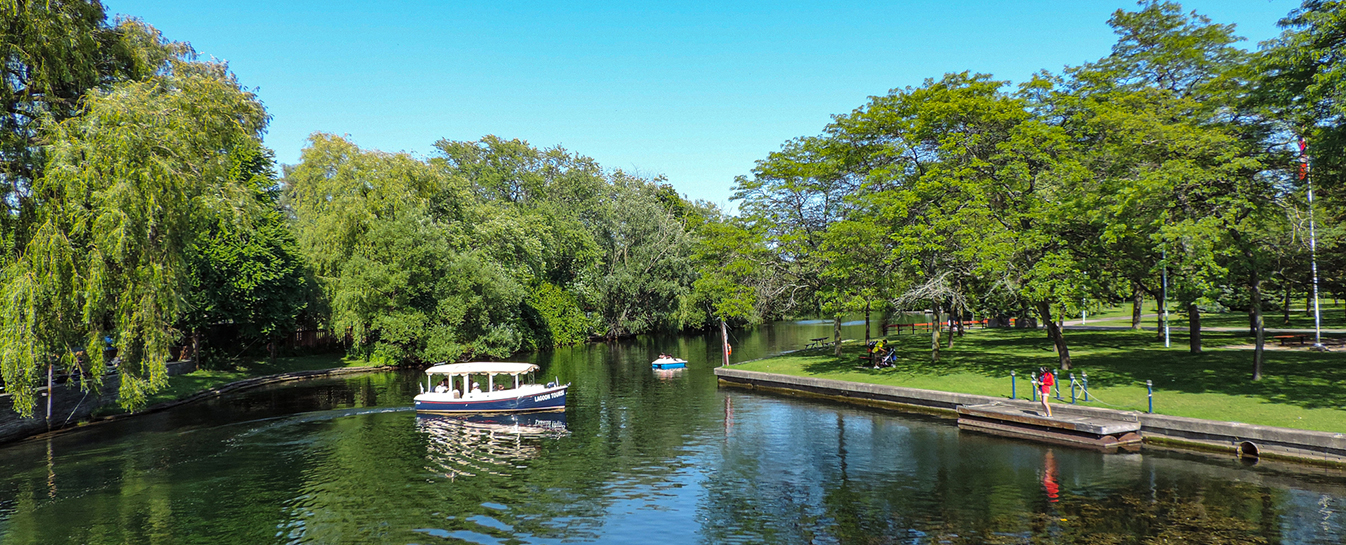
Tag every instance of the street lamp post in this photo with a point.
(1313, 245)
(1163, 298)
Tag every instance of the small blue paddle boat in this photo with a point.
(668, 362)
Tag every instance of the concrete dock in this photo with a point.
(1066, 429)
(1237, 438)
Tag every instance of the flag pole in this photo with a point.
(724, 338)
(1313, 244)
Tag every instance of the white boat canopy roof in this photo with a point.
(482, 367)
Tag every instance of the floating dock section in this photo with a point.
(1065, 429)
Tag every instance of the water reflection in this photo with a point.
(465, 446)
(638, 456)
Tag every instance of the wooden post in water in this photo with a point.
(724, 337)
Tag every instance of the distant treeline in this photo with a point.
(142, 208)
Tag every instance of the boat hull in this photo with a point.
(550, 399)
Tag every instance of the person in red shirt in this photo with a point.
(1045, 382)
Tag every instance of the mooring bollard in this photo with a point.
(1084, 378)
(1149, 390)
(1057, 385)
(1013, 391)
(1072, 388)
(1034, 386)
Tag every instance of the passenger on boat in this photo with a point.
(443, 387)
(476, 388)
(499, 387)
(456, 393)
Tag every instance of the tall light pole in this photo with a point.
(1313, 244)
(1163, 297)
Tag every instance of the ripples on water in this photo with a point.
(639, 457)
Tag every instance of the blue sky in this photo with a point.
(696, 91)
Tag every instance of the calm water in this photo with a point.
(639, 457)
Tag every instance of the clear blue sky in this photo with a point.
(697, 91)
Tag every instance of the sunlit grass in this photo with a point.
(182, 386)
(1300, 389)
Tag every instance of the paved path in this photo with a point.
(1184, 329)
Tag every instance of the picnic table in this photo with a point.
(816, 343)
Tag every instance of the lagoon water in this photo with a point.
(638, 457)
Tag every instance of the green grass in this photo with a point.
(1300, 389)
(185, 385)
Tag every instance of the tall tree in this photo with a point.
(124, 187)
(51, 55)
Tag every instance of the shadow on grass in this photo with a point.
(1115, 358)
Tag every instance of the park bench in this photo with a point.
(927, 325)
(1298, 339)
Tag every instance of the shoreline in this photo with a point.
(34, 428)
(1269, 442)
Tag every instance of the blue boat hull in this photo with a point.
(668, 365)
(551, 399)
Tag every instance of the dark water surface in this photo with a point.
(638, 457)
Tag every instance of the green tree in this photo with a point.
(387, 238)
(646, 266)
(114, 213)
(245, 269)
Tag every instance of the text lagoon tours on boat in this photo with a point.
(457, 393)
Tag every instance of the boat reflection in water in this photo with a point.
(666, 374)
(470, 445)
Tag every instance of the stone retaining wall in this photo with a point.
(1271, 442)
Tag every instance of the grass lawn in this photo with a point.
(1299, 389)
(181, 386)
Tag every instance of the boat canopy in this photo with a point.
(482, 368)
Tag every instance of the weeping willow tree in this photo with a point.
(126, 184)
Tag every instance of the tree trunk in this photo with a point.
(1194, 328)
(836, 335)
(953, 316)
(934, 332)
(1286, 320)
(1137, 308)
(1062, 351)
(1256, 286)
(196, 349)
(866, 323)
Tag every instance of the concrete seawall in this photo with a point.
(1266, 441)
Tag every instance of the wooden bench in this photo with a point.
(1287, 339)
